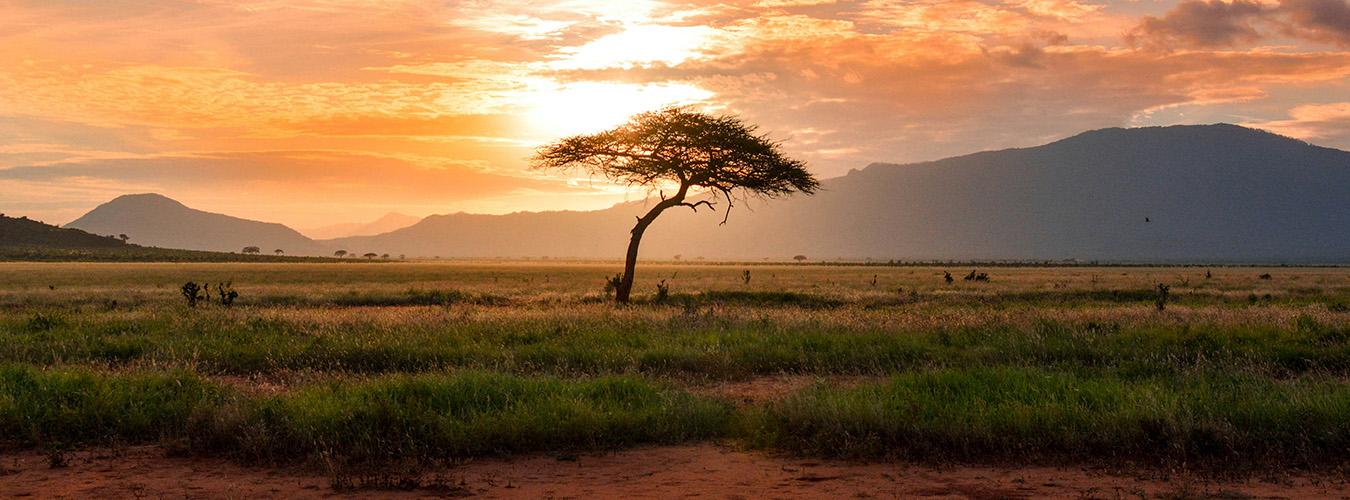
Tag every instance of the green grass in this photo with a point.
(467, 414)
(65, 407)
(398, 417)
(658, 342)
(936, 415)
(424, 361)
(1028, 413)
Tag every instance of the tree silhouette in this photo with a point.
(252, 250)
(340, 254)
(123, 237)
(799, 258)
(371, 255)
(720, 155)
(278, 251)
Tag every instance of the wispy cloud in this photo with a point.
(440, 103)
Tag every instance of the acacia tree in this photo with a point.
(720, 155)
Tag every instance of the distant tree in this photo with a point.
(402, 257)
(677, 256)
(340, 254)
(252, 250)
(696, 151)
(385, 256)
(123, 237)
(279, 251)
(371, 255)
(799, 258)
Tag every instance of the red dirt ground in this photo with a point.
(703, 470)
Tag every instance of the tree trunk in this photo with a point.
(625, 289)
(630, 262)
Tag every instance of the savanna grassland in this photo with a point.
(355, 365)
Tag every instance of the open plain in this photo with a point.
(522, 379)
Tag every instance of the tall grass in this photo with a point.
(719, 345)
(470, 414)
(411, 361)
(1027, 414)
(958, 413)
(392, 418)
(65, 407)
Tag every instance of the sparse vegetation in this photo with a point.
(377, 364)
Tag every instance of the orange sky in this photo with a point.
(310, 112)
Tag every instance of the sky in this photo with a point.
(314, 112)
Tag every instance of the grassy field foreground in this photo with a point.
(430, 361)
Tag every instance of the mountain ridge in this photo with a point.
(388, 222)
(1211, 193)
(176, 225)
(1084, 197)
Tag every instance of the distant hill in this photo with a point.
(1213, 193)
(155, 220)
(389, 222)
(22, 231)
(23, 239)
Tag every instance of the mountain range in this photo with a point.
(1209, 193)
(386, 223)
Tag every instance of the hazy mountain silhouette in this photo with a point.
(22, 231)
(384, 224)
(155, 220)
(1219, 193)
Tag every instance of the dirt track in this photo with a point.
(697, 470)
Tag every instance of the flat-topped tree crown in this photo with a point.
(694, 150)
(720, 154)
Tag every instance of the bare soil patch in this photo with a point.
(703, 470)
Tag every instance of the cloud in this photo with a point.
(1326, 20)
(1313, 122)
(1229, 23)
(450, 97)
(302, 184)
(1201, 23)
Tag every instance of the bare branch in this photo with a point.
(694, 206)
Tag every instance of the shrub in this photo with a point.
(612, 285)
(663, 292)
(193, 293)
(226, 292)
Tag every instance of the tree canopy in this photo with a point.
(693, 150)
